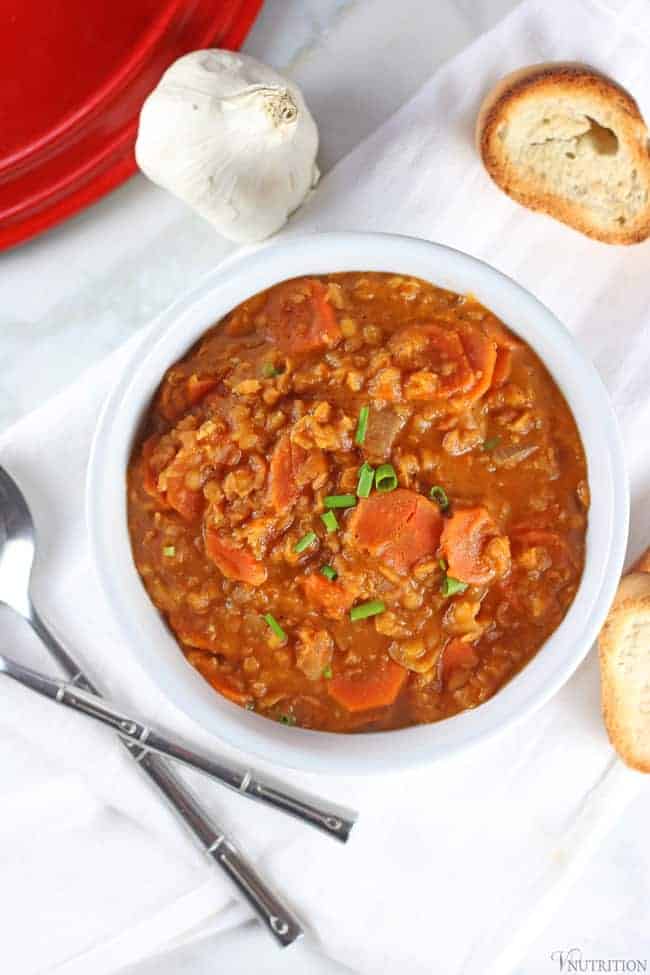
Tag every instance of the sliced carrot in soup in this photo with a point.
(456, 655)
(287, 463)
(227, 687)
(501, 335)
(300, 318)
(283, 489)
(481, 352)
(291, 468)
(188, 503)
(178, 394)
(234, 563)
(448, 360)
(198, 387)
(325, 328)
(400, 528)
(502, 366)
(226, 684)
(173, 479)
(463, 541)
(328, 597)
(461, 359)
(378, 689)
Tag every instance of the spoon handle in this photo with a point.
(327, 818)
(275, 916)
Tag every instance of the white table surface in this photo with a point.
(72, 295)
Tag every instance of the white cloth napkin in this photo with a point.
(453, 868)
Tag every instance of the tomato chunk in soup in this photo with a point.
(360, 502)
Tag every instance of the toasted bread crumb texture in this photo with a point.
(624, 645)
(572, 143)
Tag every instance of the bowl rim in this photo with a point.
(178, 328)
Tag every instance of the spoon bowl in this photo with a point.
(17, 547)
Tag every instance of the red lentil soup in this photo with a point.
(360, 503)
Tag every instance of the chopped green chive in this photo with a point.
(340, 501)
(385, 478)
(330, 522)
(491, 443)
(439, 495)
(366, 477)
(329, 572)
(327, 672)
(372, 608)
(362, 425)
(451, 586)
(269, 371)
(169, 551)
(274, 626)
(287, 719)
(304, 542)
(250, 705)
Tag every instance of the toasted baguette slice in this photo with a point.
(642, 564)
(624, 646)
(564, 139)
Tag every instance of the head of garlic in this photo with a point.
(233, 139)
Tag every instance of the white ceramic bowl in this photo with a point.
(144, 630)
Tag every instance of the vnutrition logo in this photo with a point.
(571, 960)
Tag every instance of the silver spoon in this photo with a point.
(17, 552)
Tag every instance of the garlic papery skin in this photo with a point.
(233, 139)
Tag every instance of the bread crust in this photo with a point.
(620, 712)
(567, 78)
(642, 564)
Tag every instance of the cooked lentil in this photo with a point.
(397, 609)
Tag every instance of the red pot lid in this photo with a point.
(73, 77)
